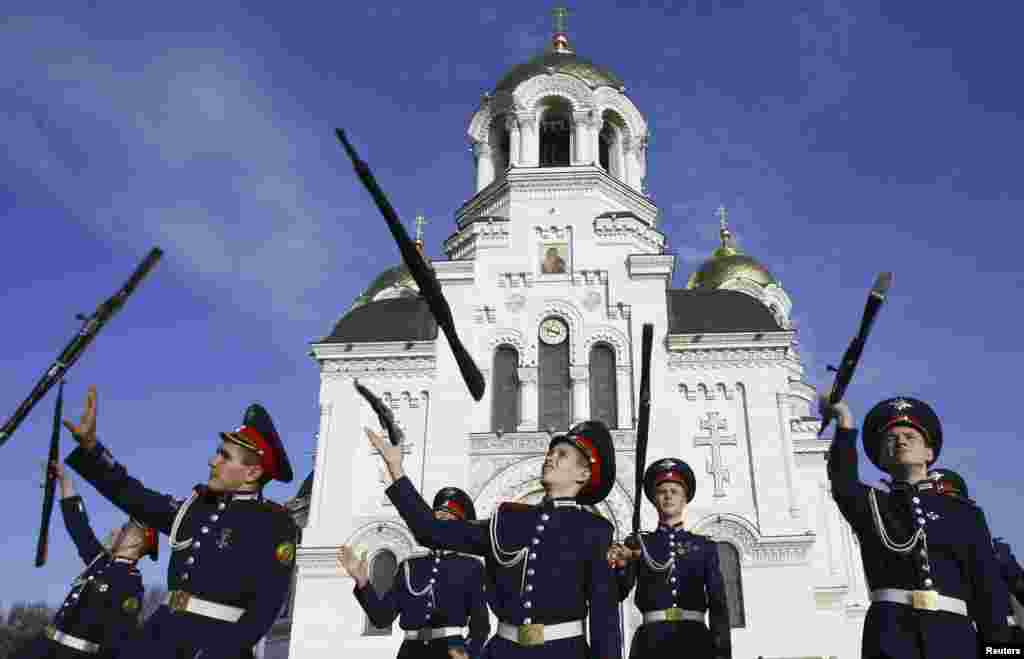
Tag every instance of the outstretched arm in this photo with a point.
(75, 519)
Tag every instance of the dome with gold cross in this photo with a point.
(728, 264)
(559, 58)
(396, 281)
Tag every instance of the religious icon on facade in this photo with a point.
(553, 258)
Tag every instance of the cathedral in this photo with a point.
(551, 269)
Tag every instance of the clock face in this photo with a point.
(553, 331)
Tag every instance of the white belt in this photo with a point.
(673, 614)
(70, 641)
(539, 634)
(179, 600)
(922, 600)
(430, 634)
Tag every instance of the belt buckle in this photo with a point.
(51, 632)
(674, 614)
(531, 634)
(178, 600)
(925, 600)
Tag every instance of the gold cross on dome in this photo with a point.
(560, 14)
(723, 215)
(420, 221)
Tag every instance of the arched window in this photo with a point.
(604, 140)
(556, 134)
(603, 399)
(383, 570)
(553, 384)
(505, 390)
(501, 145)
(729, 563)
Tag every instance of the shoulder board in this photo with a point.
(413, 556)
(469, 556)
(511, 506)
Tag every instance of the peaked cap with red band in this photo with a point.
(257, 433)
(152, 539)
(900, 411)
(669, 470)
(595, 442)
(455, 501)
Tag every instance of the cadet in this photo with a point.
(435, 593)
(233, 550)
(102, 609)
(548, 562)
(928, 559)
(677, 575)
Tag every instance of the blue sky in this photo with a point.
(844, 137)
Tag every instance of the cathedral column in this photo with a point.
(580, 376)
(484, 165)
(789, 463)
(514, 156)
(528, 398)
(583, 135)
(529, 142)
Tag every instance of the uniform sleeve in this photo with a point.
(602, 595)
(479, 619)
(625, 578)
(718, 608)
(848, 492)
(77, 523)
(380, 608)
(271, 561)
(989, 594)
(468, 537)
(110, 479)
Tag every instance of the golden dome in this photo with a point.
(728, 263)
(393, 282)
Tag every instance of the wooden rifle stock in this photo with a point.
(74, 349)
(50, 488)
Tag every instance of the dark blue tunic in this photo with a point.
(104, 603)
(555, 569)
(680, 570)
(231, 549)
(439, 589)
(958, 561)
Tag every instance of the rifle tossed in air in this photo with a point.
(852, 356)
(91, 326)
(644, 421)
(425, 278)
(384, 413)
(50, 485)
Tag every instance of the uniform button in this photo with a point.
(184, 576)
(527, 621)
(918, 511)
(529, 572)
(540, 528)
(190, 561)
(91, 578)
(673, 579)
(545, 517)
(437, 560)
(529, 587)
(923, 552)
(926, 567)
(432, 580)
(533, 555)
(205, 529)
(673, 593)
(75, 596)
(928, 583)
(434, 570)
(535, 541)
(214, 517)
(920, 521)
(430, 605)
(671, 543)
(221, 506)
(527, 605)
(195, 545)
(917, 499)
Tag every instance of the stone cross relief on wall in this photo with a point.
(714, 425)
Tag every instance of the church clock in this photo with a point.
(553, 331)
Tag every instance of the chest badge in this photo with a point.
(285, 553)
(687, 548)
(102, 587)
(932, 516)
(225, 539)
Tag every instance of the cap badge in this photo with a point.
(901, 404)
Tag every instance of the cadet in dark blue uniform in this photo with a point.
(952, 484)
(435, 593)
(928, 559)
(548, 563)
(234, 551)
(102, 609)
(676, 573)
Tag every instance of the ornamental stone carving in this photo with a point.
(530, 93)
(755, 549)
(552, 232)
(508, 336)
(716, 358)
(613, 337)
(609, 99)
(390, 368)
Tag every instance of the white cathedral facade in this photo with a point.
(554, 265)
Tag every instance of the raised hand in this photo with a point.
(457, 653)
(354, 564)
(841, 411)
(85, 432)
(391, 454)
